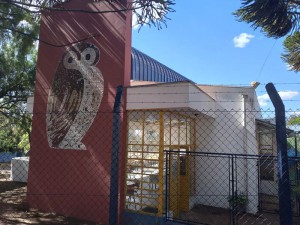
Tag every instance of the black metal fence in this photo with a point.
(225, 188)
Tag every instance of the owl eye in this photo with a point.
(70, 60)
(87, 56)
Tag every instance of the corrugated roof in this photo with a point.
(145, 68)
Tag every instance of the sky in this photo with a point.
(204, 42)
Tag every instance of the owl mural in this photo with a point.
(75, 97)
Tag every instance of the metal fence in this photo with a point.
(224, 188)
(170, 166)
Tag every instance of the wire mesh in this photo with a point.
(176, 165)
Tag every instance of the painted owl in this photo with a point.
(75, 97)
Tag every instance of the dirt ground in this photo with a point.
(13, 209)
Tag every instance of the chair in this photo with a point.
(153, 179)
(131, 190)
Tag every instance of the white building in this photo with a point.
(202, 126)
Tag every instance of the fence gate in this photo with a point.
(223, 189)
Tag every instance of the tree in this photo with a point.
(294, 120)
(150, 12)
(17, 70)
(292, 51)
(13, 134)
(276, 18)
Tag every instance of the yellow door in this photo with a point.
(179, 181)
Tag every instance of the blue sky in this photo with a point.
(198, 42)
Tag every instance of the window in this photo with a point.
(142, 161)
(266, 143)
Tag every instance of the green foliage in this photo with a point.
(292, 51)
(14, 135)
(24, 143)
(291, 143)
(294, 120)
(238, 200)
(276, 18)
(17, 70)
(146, 12)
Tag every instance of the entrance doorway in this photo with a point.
(149, 134)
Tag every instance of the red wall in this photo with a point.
(76, 183)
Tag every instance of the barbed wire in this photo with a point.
(184, 84)
(289, 111)
(191, 101)
(233, 85)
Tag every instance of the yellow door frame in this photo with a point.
(182, 184)
(179, 179)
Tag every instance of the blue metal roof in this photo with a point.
(145, 68)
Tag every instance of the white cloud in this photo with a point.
(287, 95)
(242, 40)
(264, 99)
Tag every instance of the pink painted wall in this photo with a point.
(76, 183)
